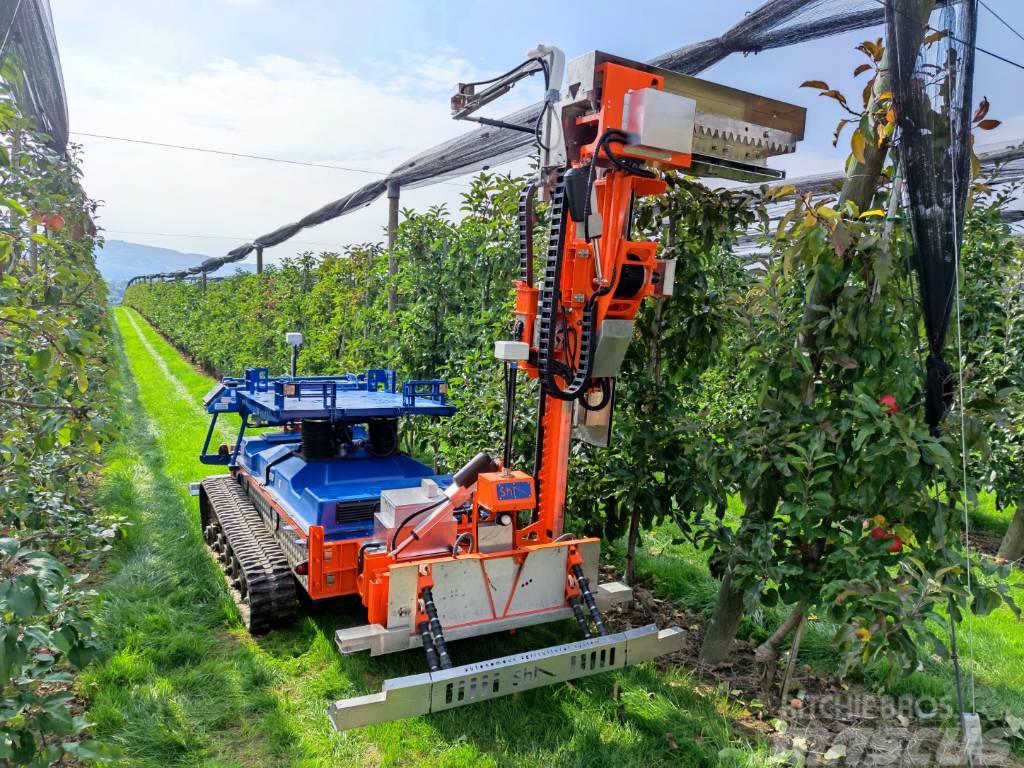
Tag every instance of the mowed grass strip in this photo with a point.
(182, 683)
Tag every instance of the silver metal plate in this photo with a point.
(379, 640)
(613, 339)
(471, 683)
(660, 120)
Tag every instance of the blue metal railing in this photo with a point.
(257, 379)
(428, 389)
(378, 378)
(325, 389)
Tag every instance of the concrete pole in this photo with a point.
(393, 196)
(259, 259)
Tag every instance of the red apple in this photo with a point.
(884, 535)
(889, 403)
(55, 222)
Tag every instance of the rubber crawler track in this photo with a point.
(260, 578)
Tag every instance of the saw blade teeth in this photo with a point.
(760, 144)
(753, 139)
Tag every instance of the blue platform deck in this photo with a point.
(350, 398)
(348, 405)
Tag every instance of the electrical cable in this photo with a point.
(888, 5)
(413, 515)
(963, 444)
(1005, 23)
(226, 153)
(511, 72)
(547, 105)
(206, 237)
(606, 395)
(628, 165)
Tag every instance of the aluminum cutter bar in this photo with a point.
(449, 688)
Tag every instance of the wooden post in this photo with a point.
(259, 259)
(204, 282)
(393, 196)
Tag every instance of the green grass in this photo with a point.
(182, 684)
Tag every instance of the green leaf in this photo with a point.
(22, 598)
(39, 361)
(985, 600)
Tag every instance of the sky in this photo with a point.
(366, 85)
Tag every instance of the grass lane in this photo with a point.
(183, 684)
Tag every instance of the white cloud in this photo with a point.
(278, 106)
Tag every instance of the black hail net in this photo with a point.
(932, 69)
(31, 67)
(775, 24)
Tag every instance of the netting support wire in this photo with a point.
(963, 450)
(393, 193)
(954, 655)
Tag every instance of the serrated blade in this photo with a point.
(739, 140)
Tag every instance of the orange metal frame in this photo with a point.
(616, 191)
(333, 565)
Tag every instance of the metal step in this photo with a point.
(471, 683)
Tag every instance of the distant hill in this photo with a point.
(119, 261)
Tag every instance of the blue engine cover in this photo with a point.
(340, 494)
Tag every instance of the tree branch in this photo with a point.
(766, 652)
(79, 410)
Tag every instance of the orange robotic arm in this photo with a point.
(578, 318)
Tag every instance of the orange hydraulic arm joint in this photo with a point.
(574, 317)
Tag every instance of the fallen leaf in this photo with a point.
(836, 752)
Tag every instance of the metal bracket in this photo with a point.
(449, 688)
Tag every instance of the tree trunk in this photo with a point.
(725, 622)
(1012, 547)
(860, 187)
